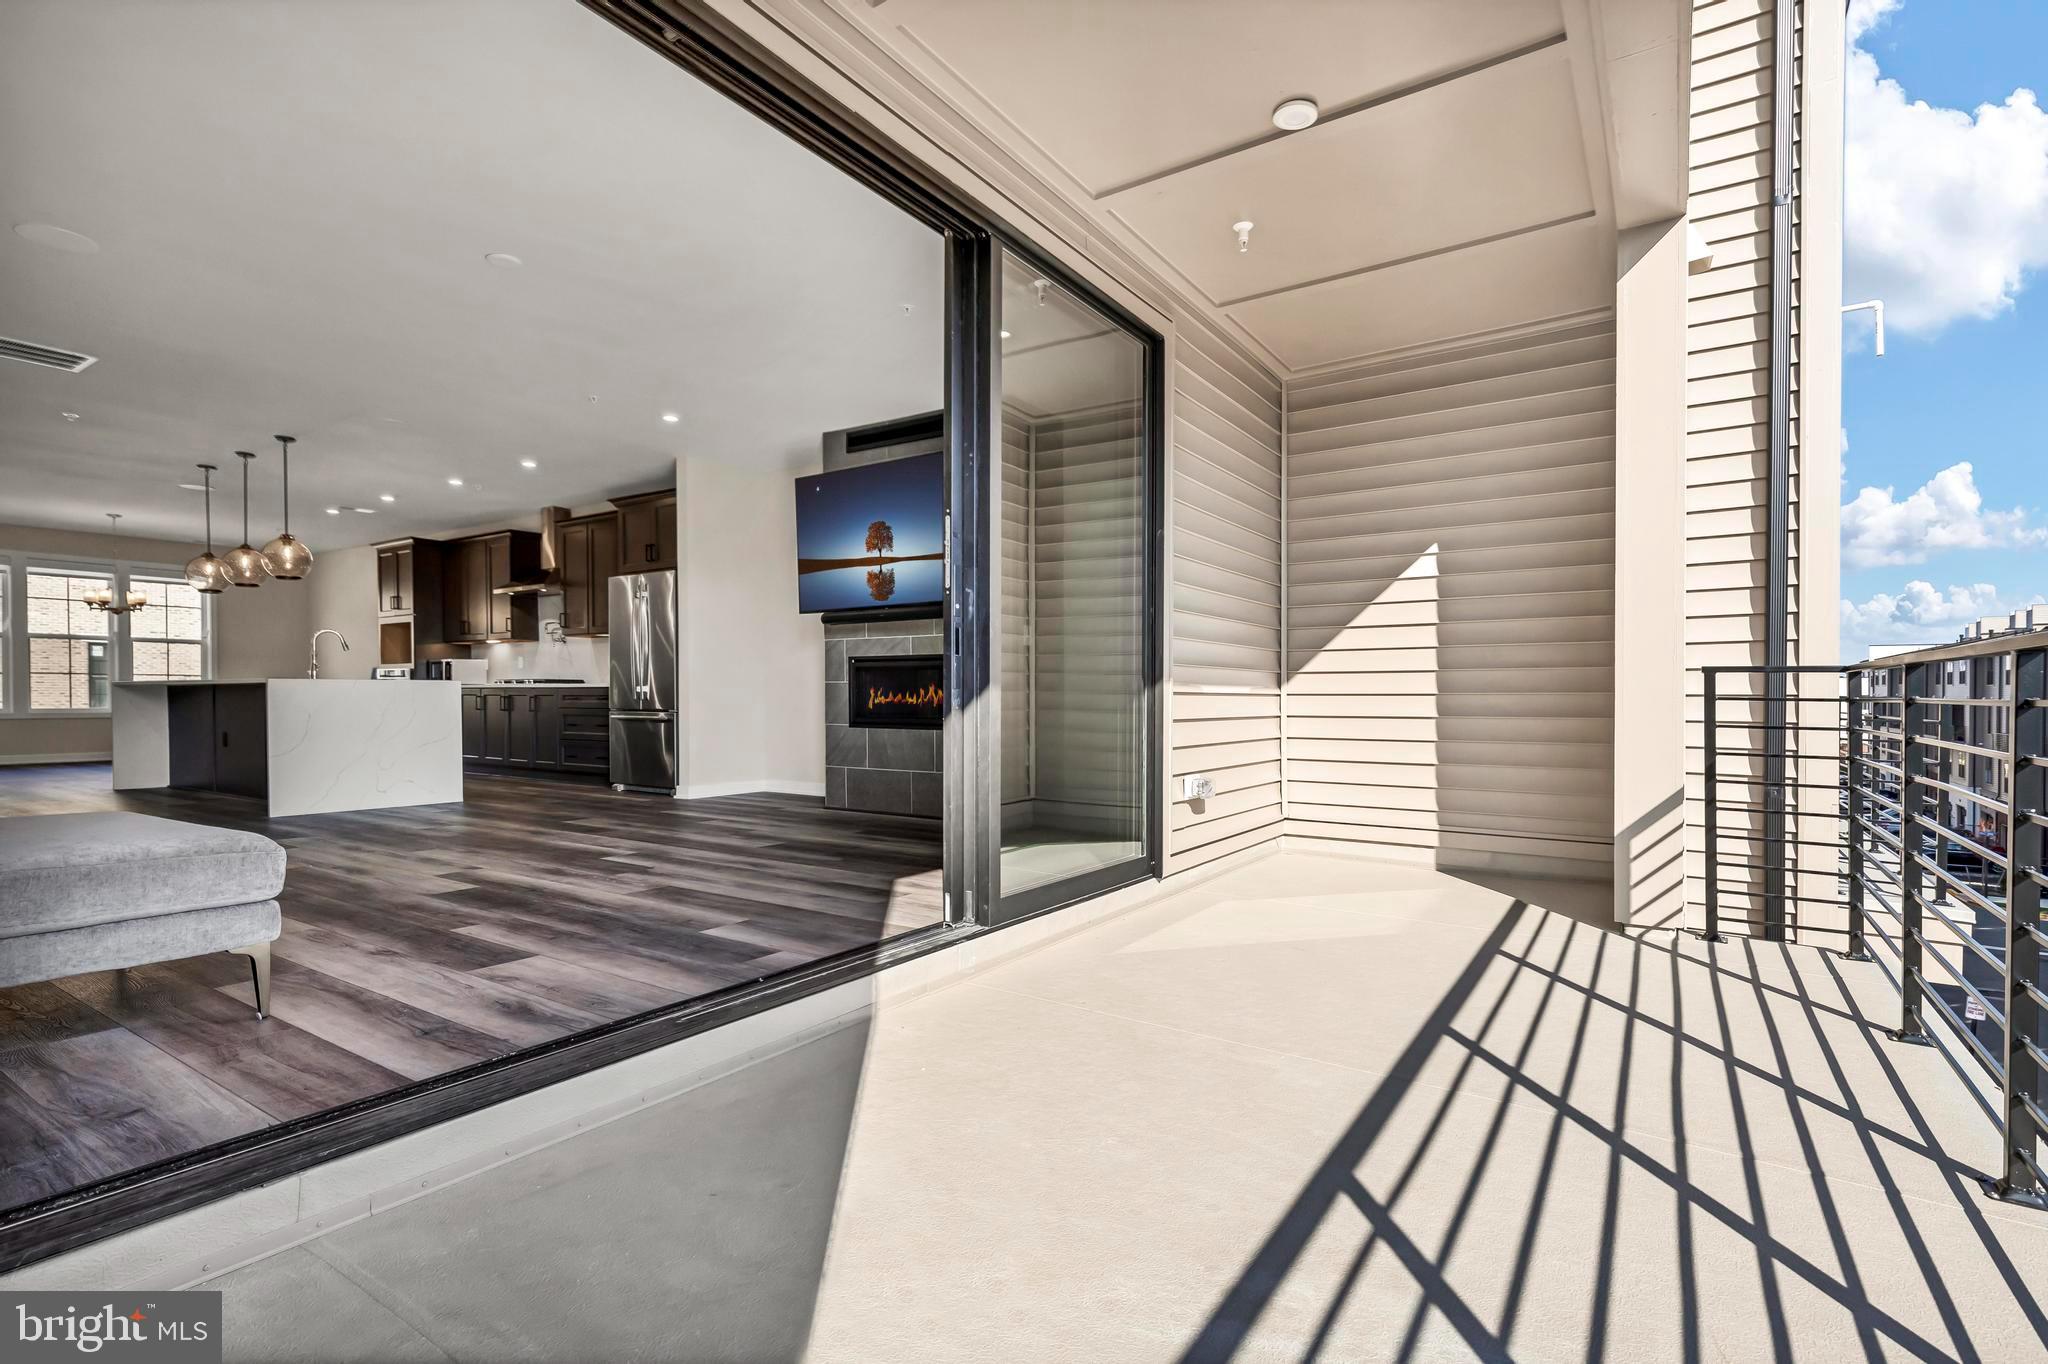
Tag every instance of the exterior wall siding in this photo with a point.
(1224, 577)
(1450, 567)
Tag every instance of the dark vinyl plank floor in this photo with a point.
(420, 940)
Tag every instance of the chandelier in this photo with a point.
(102, 598)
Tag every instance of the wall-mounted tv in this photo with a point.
(872, 536)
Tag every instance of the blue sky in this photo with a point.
(1946, 219)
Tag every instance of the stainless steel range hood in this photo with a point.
(550, 579)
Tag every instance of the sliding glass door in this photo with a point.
(1072, 566)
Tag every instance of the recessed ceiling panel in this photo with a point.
(1524, 279)
(1116, 90)
(1492, 152)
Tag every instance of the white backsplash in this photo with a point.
(587, 658)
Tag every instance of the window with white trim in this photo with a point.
(70, 649)
(59, 656)
(167, 638)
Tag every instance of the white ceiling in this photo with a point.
(1474, 160)
(293, 199)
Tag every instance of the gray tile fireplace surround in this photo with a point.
(887, 771)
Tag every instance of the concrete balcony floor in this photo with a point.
(1313, 1108)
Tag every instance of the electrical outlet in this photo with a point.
(1197, 787)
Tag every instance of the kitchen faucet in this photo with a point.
(313, 657)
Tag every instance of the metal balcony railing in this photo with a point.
(1902, 806)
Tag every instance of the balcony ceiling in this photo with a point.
(1473, 160)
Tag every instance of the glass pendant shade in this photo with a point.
(206, 571)
(246, 567)
(287, 557)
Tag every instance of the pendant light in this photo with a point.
(245, 565)
(207, 572)
(286, 557)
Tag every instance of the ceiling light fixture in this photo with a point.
(70, 416)
(205, 571)
(455, 483)
(286, 557)
(245, 565)
(57, 238)
(1006, 334)
(334, 511)
(670, 417)
(529, 464)
(1292, 115)
(386, 497)
(102, 598)
(504, 260)
(1244, 234)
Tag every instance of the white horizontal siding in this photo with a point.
(1450, 565)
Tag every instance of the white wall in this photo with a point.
(753, 669)
(344, 598)
(258, 632)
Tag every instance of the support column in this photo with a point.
(1649, 572)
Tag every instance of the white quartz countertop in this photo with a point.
(259, 681)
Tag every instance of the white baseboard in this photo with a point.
(35, 759)
(743, 788)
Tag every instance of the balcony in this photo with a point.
(1315, 1107)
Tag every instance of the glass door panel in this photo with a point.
(1071, 645)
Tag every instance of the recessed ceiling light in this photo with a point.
(334, 511)
(367, 511)
(386, 497)
(455, 483)
(529, 464)
(1292, 115)
(71, 416)
(504, 260)
(57, 238)
(670, 417)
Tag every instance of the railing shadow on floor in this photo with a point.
(1727, 974)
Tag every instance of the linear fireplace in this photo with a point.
(900, 691)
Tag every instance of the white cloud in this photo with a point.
(1947, 212)
(1946, 512)
(1921, 613)
(1864, 15)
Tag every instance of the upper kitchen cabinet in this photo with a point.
(410, 599)
(476, 568)
(647, 531)
(587, 556)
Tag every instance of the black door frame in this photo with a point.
(725, 58)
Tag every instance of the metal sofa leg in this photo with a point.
(259, 971)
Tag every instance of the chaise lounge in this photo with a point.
(112, 890)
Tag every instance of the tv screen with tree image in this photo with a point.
(872, 536)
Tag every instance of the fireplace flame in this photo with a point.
(929, 695)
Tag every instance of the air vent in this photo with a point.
(29, 353)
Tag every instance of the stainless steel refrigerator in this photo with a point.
(644, 682)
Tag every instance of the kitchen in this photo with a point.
(476, 609)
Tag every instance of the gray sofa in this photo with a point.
(112, 890)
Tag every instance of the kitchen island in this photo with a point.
(305, 745)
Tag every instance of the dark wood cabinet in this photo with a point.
(543, 728)
(497, 726)
(587, 556)
(647, 531)
(477, 566)
(473, 703)
(395, 579)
